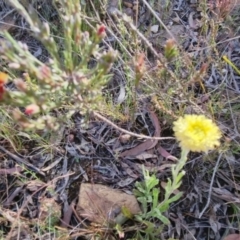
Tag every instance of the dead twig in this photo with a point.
(211, 185)
(21, 161)
(99, 116)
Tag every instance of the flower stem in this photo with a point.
(177, 173)
(182, 161)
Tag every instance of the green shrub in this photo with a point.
(65, 81)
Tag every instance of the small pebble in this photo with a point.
(154, 28)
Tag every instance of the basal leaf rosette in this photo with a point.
(197, 133)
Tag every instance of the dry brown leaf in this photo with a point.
(53, 164)
(128, 170)
(232, 237)
(101, 204)
(154, 168)
(192, 23)
(67, 213)
(126, 182)
(34, 185)
(166, 154)
(147, 144)
(145, 155)
(224, 194)
(15, 170)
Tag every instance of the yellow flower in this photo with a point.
(197, 133)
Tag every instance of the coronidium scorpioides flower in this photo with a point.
(197, 133)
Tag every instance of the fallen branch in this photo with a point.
(99, 116)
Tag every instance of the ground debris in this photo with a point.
(102, 204)
(99, 157)
(232, 237)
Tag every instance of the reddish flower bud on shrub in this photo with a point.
(32, 109)
(170, 49)
(44, 73)
(170, 43)
(101, 32)
(2, 91)
(140, 64)
(203, 68)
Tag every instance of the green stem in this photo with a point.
(182, 161)
(176, 171)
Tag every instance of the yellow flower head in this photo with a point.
(197, 133)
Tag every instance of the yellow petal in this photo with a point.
(197, 133)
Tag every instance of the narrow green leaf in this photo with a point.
(175, 198)
(155, 193)
(161, 217)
